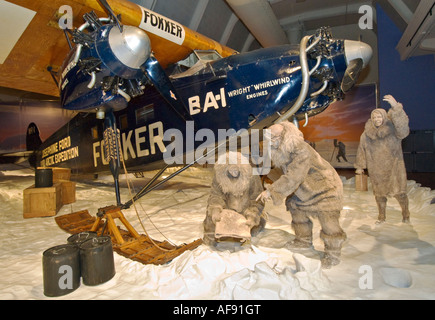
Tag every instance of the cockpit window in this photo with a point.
(195, 63)
(208, 55)
(189, 61)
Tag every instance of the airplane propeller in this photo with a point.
(119, 62)
(351, 74)
(111, 13)
(358, 55)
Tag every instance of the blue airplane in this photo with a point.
(128, 102)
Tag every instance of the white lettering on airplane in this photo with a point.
(162, 26)
(196, 105)
(154, 133)
(63, 82)
(58, 152)
(68, 68)
(253, 91)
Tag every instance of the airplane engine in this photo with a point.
(111, 64)
(105, 68)
(131, 47)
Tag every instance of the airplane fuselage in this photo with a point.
(244, 91)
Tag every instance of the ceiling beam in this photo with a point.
(259, 18)
(418, 30)
(402, 9)
(198, 14)
(322, 13)
(228, 29)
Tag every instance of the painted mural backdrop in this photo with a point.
(14, 121)
(335, 133)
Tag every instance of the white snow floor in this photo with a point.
(389, 261)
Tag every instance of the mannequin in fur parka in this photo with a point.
(234, 187)
(310, 187)
(380, 152)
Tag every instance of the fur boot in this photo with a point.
(333, 245)
(382, 205)
(403, 201)
(304, 235)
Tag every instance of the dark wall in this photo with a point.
(411, 82)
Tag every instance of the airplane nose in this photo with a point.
(357, 50)
(132, 47)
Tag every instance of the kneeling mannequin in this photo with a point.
(232, 205)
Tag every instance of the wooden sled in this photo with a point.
(127, 243)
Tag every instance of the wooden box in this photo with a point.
(361, 182)
(68, 191)
(59, 173)
(42, 202)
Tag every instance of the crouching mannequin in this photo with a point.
(380, 152)
(234, 188)
(310, 187)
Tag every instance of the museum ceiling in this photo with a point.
(34, 43)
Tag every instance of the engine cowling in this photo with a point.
(103, 71)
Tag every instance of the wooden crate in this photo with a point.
(59, 173)
(68, 191)
(361, 182)
(42, 202)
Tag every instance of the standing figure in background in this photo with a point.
(310, 187)
(380, 152)
(341, 150)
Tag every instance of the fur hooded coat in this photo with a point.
(380, 152)
(308, 183)
(238, 194)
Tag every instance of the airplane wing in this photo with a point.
(37, 42)
(15, 157)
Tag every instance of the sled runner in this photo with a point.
(128, 243)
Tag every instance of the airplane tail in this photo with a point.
(33, 142)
